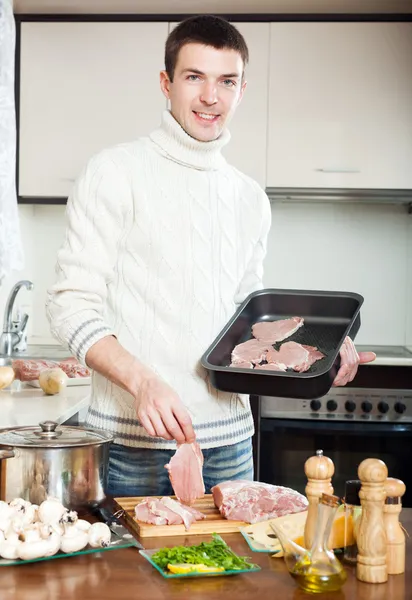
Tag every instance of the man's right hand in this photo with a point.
(161, 412)
(159, 408)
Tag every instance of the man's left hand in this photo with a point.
(350, 361)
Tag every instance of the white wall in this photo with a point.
(356, 248)
(364, 249)
(42, 230)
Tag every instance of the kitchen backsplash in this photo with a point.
(364, 249)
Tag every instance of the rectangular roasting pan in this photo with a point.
(329, 318)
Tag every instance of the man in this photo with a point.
(164, 240)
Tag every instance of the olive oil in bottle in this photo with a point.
(319, 570)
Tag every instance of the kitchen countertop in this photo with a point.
(124, 574)
(30, 406)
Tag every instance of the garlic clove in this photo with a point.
(99, 535)
(73, 540)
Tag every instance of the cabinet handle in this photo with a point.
(338, 170)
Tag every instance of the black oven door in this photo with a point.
(285, 445)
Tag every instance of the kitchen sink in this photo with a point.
(37, 352)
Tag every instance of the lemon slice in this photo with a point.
(188, 568)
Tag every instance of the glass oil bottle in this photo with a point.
(318, 570)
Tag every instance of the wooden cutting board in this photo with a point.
(214, 522)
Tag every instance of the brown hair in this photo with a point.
(208, 30)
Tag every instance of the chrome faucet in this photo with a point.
(14, 331)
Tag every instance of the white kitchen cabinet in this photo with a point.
(340, 105)
(84, 87)
(247, 149)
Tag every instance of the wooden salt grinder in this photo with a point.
(319, 470)
(395, 549)
(371, 540)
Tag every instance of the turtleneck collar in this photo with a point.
(173, 141)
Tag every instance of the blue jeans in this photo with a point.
(141, 472)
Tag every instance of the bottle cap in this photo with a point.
(352, 489)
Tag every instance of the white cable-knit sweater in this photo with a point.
(164, 239)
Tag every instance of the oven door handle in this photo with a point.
(349, 428)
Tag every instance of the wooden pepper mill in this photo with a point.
(319, 470)
(395, 549)
(371, 540)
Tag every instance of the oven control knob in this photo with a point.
(400, 407)
(331, 405)
(366, 406)
(350, 406)
(383, 407)
(315, 405)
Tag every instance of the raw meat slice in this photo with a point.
(294, 356)
(251, 351)
(185, 472)
(314, 354)
(242, 364)
(291, 355)
(166, 511)
(253, 501)
(271, 367)
(270, 332)
(29, 370)
(73, 368)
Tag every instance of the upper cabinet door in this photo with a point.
(340, 105)
(84, 87)
(247, 149)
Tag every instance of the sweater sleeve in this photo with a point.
(86, 262)
(252, 280)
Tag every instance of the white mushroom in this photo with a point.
(99, 535)
(83, 525)
(32, 533)
(33, 549)
(73, 540)
(53, 544)
(51, 511)
(6, 513)
(9, 548)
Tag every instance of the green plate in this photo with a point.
(147, 554)
(116, 543)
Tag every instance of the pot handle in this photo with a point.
(7, 454)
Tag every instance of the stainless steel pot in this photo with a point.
(68, 463)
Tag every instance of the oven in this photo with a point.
(349, 424)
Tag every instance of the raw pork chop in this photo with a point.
(166, 512)
(73, 368)
(241, 364)
(271, 367)
(251, 351)
(270, 332)
(29, 370)
(294, 356)
(185, 472)
(253, 501)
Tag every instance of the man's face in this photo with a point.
(206, 89)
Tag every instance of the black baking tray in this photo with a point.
(328, 318)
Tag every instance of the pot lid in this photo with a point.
(51, 434)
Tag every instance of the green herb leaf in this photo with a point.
(212, 554)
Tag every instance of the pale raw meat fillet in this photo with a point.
(242, 364)
(294, 356)
(253, 501)
(29, 370)
(73, 368)
(185, 472)
(271, 367)
(314, 354)
(291, 355)
(270, 332)
(166, 511)
(251, 351)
